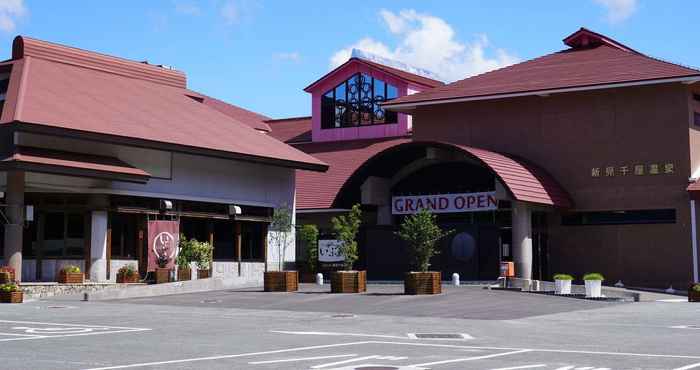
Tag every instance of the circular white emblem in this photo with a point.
(165, 245)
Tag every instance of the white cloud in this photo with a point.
(230, 12)
(187, 8)
(10, 10)
(430, 43)
(293, 56)
(618, 10)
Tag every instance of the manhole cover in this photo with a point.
(343, 316)
(438, 336)
(211, 301)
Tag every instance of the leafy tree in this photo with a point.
(308, 236)
(281, 227)
(192, 250)
(346, 228)
(421, 232)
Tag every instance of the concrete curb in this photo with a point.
(180, 287)
(539, 285)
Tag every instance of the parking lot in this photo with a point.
(311, 329)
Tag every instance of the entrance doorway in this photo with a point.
(540, 247)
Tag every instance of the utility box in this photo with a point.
(507, 269)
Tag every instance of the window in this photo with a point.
(224, 240)
(356, 102)
(63, 235)
(648, 216)
(697, 118)
(252, 242)
(125, 237)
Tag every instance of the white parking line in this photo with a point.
(470, 358)
(521, 367)
(300, 359)
(337, 334)
(48, 330)
(691, 366)
(343, 362)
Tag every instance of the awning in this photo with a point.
(72, 164)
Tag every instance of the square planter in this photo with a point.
(11, 297)
(348, 281)
(203, 274)
(124, 279)
(162, 275)
(422, 283)
(593, 288)
(307, 277)
(71, 277)
(281, 281)
(693, 296)
(562, 286)
(7, 275)
(184, 274)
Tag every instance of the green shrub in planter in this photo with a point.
(71, 269)
(563, 277)
(696, 287)
(9, 288)
(593, 276)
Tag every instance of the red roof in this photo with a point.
(593, 61)
(250, 118)
(69, 89)
(291, 130)
(525, 181)
(67, 163)
(400, 74)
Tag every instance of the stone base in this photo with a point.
(422, 283)
(11, 297)
(71, 277)
(45, 290)
(348, 281)
(281, 281)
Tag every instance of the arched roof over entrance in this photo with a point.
(523, 180)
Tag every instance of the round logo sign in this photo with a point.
(165, 245)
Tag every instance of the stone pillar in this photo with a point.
(98, 238)
(522, 240)
(14, 229)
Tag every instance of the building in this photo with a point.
(583, 160)
(94, 146)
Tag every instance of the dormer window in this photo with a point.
(355, 102)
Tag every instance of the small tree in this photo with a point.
(185, 254)
(308, 237)
(281, 227)
(203, 254)
(346, 228)
(421, 232)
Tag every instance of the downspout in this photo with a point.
(694, 236)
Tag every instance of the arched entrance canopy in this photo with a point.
(523, 180)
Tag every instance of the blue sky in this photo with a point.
(261, 54)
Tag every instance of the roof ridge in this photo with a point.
(278, 120)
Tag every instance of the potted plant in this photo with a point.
(346, 228)
(308, 238)
(71, 274)
(127, 274)
(162, 271)
(202, 254)
(593, 283)
(694, 293)
(7, 274)
(11, 293)
(184, 259)
(562, 283)
(281, 229)
(421, 232)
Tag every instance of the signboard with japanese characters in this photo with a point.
(637, 169)
(329, 251)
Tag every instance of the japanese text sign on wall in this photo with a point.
(329, 251)
(444, 203)
(667, 168)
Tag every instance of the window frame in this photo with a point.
(329, 120)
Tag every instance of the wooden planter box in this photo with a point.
(281, 281)
(693, 296)
(10, 279)
(203, 274)
(348, 281)
(307, 277)
(71, 277)
(123, 279)
(11, 297)
(184, 274)
(162, 275)
(422, 283)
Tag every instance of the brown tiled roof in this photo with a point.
(54, 87)
(250, 118)
(291, 130)
(594, 60)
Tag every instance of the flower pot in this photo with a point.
(593, 288)
(127, 279)
(562, 286)
(7, 275)
(281, 281)
(348, 281)
(203, 274)
(11, 297)
(307, 277)
(693, 295)
(428, 282)
(71, 277)
(184, 274)
(162, 275)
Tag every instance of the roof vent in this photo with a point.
(585, 38)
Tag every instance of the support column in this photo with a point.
(14, 230)
(237, 242)
(98, 238)
(522, 240)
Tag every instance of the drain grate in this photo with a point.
(438, 336)
(211, 301)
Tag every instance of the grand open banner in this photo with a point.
(444, 203)
(162, 243)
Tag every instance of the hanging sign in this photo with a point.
(329, 251)
(162, 243)
(444, 203)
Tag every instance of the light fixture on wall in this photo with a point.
(234, 209)
(166, 205)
